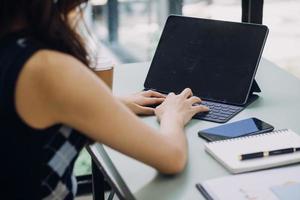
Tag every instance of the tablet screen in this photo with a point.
(217, 59)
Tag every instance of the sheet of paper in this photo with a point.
(289, 191)
(263, 185)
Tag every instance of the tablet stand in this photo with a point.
(254, 89)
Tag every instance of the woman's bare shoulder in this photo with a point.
(42, 82)
(50, 60)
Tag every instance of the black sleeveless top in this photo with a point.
(35, 164)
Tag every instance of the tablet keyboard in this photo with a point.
(220, 113)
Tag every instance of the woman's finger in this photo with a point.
(171, 94)
(153, 101)
(151, 93)
(194, 100)
(186, 93)
(200, 108)
(145, 110)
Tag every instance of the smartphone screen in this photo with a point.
(236, 129)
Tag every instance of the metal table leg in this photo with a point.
(98, 183)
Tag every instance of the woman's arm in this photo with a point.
(56, 88)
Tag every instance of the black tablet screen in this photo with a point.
(216, 59)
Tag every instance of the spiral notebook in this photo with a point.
(227, 152)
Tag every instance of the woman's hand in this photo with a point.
(138, 102)
(180, 108)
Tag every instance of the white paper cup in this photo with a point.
(105, 70)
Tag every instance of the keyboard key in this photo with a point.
(224, 112)
(217, 108)
(221, 115)
(218, 112)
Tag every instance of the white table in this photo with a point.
(279, 105)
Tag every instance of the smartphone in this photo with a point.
(240, 128)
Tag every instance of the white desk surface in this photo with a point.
(279, 104)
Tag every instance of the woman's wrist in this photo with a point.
(123, 100)
(126, 102)
(171, 122)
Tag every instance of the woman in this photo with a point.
(46, 87)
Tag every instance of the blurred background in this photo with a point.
(128, 31)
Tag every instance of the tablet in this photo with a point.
(216, 59)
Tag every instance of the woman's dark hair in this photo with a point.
(48, 21)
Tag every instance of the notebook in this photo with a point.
(275, 184)
(227, 152)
